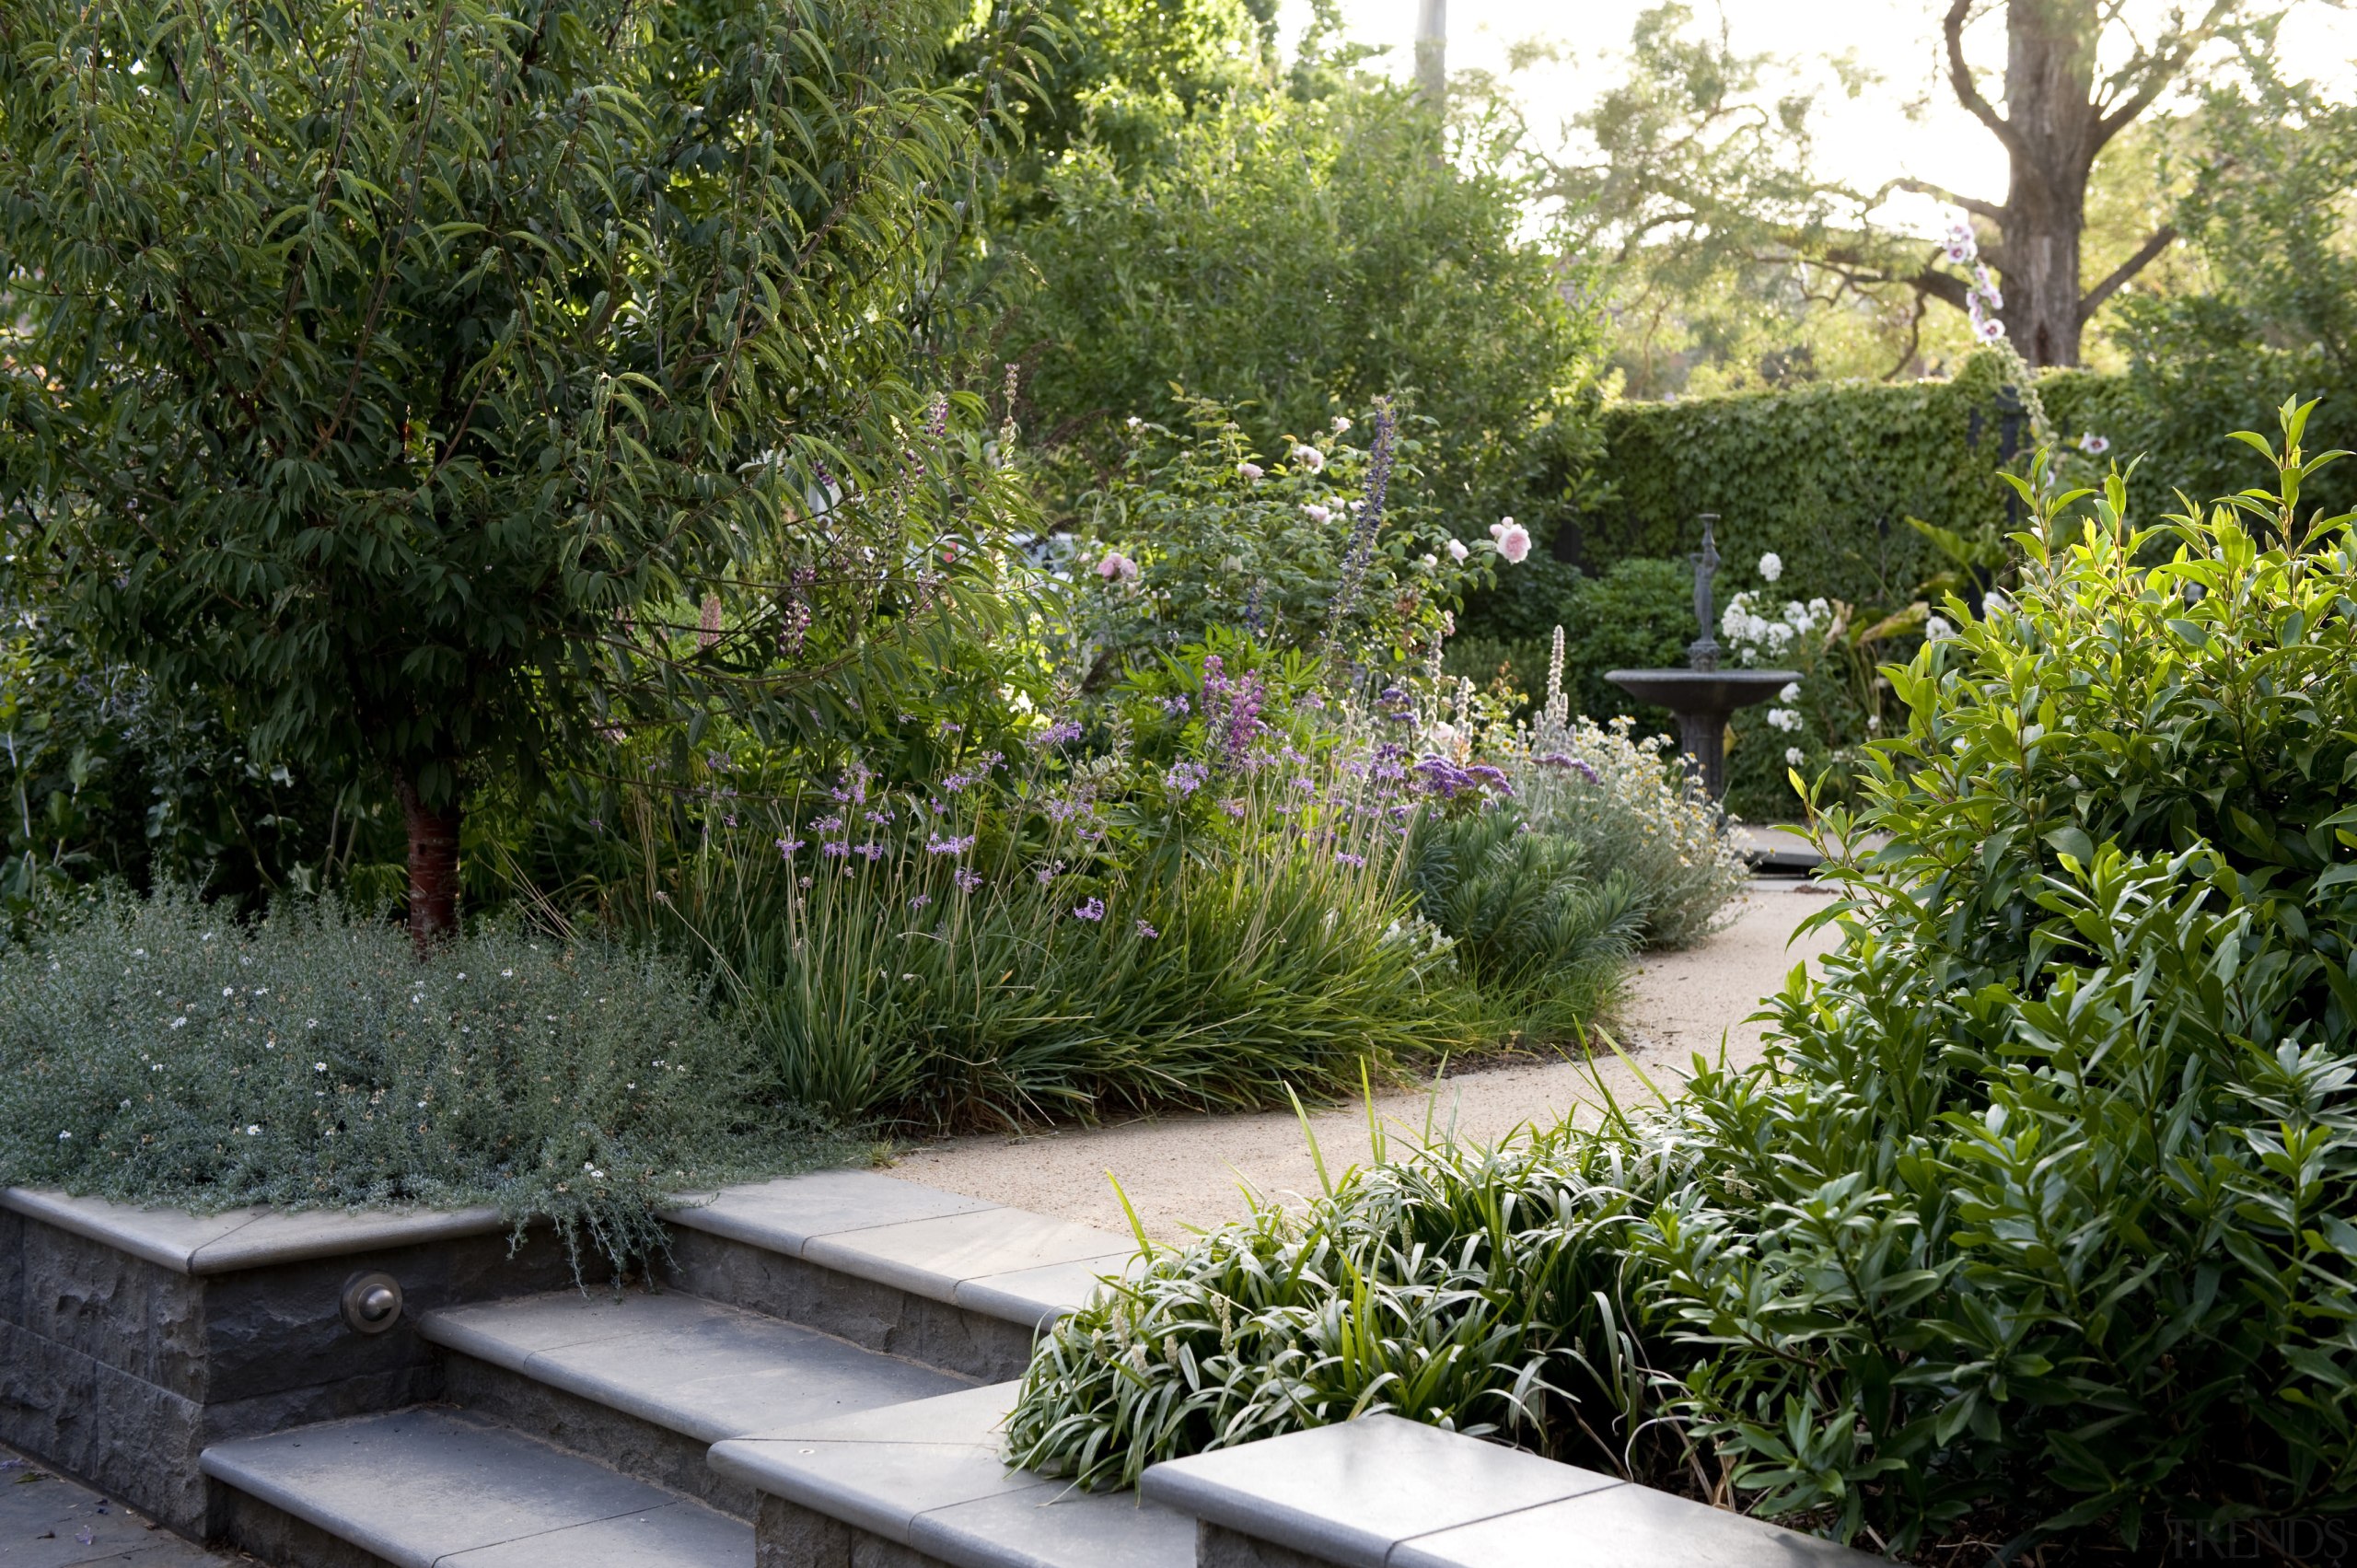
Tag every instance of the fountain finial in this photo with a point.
(1702, 653)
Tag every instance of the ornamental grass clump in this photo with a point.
(159, 1050)
(1477, 1289)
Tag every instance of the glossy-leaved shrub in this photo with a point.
(2040, 1224)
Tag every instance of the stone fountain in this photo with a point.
(1702, 695)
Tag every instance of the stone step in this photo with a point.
(953, 1282)
(647, 1382)
(435, 1488)
(926, 1483)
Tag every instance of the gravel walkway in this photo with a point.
(1185, 1171)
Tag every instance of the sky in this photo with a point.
(1865, 141)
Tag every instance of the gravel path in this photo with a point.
(1185, 1171)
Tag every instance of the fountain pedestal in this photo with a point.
(1702, 695)
(1702, 700)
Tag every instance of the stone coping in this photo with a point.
(1024, 1268)
(245, 1239)
(1000, 1262)
(929, 1476)
(1385, 1493)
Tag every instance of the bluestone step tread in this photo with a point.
(424, 1487)
(931, 1476)
(697, 1367)
(967, 1252)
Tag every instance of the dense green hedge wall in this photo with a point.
(1826, 476)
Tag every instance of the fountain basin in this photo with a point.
(1701, 699)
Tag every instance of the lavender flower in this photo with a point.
(1148, 931)
(786, 846)
(1093, 909)
(968, 878)
(934, 845)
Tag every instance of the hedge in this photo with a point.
(1826, 476)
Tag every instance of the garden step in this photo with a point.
(953, 1282)
(647, 1382)
(433, 1487)
(928, 1478)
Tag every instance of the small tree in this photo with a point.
(455, 383)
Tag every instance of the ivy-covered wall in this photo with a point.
(1826, 476)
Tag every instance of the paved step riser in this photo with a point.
(787, 1534)
(870, 1315)
(276, 1537)
(1219, 1548)
(636, 1447)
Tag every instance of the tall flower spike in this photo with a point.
(1361, 548)
(1557, 711)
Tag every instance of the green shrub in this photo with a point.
(159, 1050)
(1638, 614)
(1539, 937)
(2040, 1215)
(2034, 1228)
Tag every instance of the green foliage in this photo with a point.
(1295, 256)
(418, 373)
(1084, 932)
(156, 1050)
(107, 776)
(1628, 807)
(1475, 1288)
(1636, 614)
(1295, 547)
(1529, 927)
(2040, 1212)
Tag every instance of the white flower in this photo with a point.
(1309, 457)
(1874, 722)
(1992, 329)
(1995, 602)
(1342, 424)
(1794, 756)
(1456, 551)
(1133, 422)
(180, 1023)
(253, 1130)
(1513, 542)
(2093, 445)
(1427, 561)
(1249, 472)
(507, 974)
(1316, 514)
(1791, 694)
(1500, 527)
(318, 1066)
(1937, 630)
(65, 1137)
(1772, 566)
(1784, 718)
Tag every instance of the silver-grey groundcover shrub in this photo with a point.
(159, 1050)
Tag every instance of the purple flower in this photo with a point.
(826, 824)
(873, 851)
(968, 878)
(1093, 909)
(1356, 862)
(835, 849)
(1061, 731)
(1233, 807)
(1579, 765)
(933, 844)
(1148, 931)
(1185, 778)
(786, 846)
(920, 900)
(1176, 707)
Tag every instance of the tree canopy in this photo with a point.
(461, 384)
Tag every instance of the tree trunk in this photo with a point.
(2050, 89)
(432, 863)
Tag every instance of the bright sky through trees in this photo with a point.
(1863, 141)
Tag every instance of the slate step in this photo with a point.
(435, 1488)
(645, 1382)
(928, 1478)
(954, 1282)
